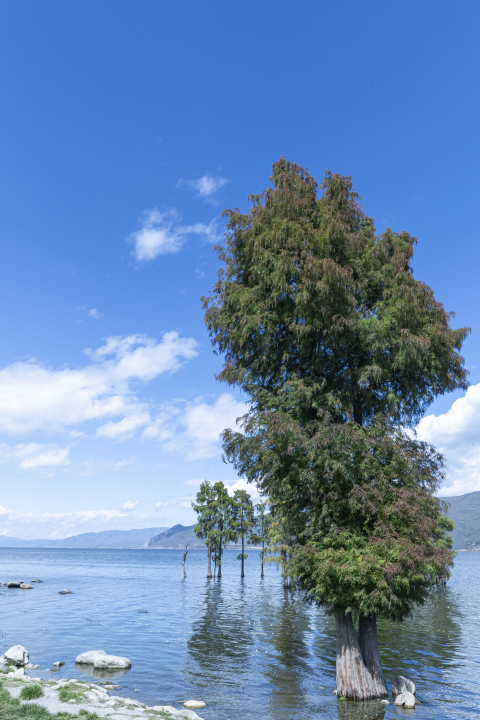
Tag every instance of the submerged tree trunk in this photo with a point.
(209, 570)
(263, 553)
(368, 642)
(354, 680)
(242, 574)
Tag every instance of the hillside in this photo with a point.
(465, 512)
(176, 537)
(109, 539)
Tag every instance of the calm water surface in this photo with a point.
(248, 648)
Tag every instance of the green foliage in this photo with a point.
(31, 692)
(67, 693)
(262, 526)
(13, 709)
(243, 517)
(339, 348)
(215, 519)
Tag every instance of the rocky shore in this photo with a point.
(74, 696)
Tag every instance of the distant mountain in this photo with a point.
(465, 512)
(109, 539)
(176, 537)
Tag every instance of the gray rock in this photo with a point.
(111, 662)
(88, 657)
(65, 592)
(36, 580)
(13, 584)
(406, 700)
(134, 703)
(26, 586)
(17, 655)
(401, 685)
(58, 664)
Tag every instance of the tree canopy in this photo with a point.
(340, 350)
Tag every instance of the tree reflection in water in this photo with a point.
(351, 710)
(222, 639)
(286, 625)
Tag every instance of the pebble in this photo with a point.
(65, 592)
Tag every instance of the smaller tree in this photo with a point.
(262, 525)
(206, 509)
(243, 520)
(224, 528)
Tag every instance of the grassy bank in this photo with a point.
(11, 709)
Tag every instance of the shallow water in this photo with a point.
(248, 648)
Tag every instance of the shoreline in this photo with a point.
(91, 697)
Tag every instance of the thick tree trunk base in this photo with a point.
(354, 681)
(209, 570)
(368, 642)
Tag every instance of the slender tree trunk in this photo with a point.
(209, 570)
(242, 574)
(219, 574)
(368, 642)
(263, 553)
(354, 681)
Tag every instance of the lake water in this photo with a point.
(249, 648)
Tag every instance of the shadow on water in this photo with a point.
(371, 710)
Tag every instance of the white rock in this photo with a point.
(72, 700)
(26, 586)
(192, 704)
(385, 702)
(406, 700)
(402, 685)
(87, 658)
(129, 701)
(19, 672)
(17, 655)
(58, 664)
(107, 662)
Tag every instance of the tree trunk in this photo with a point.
(368, 642)
(219, 573)
(242, 574)
(261, 574)
(209, 571)
(354, 681)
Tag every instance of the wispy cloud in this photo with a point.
(129, 505)
(205, 187)
(90, 312)
(163, 234)
(35, 456)
(193, 429)
(34, 397)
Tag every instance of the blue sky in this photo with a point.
(125, 129)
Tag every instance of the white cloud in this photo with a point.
(123, 429)
(162, 234)
(34, 456)
(93, 313)
(129, 505)
(195, 430)
(456, 434)
(206, 186)
(36, 397)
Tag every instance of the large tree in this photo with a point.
(340, 349)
